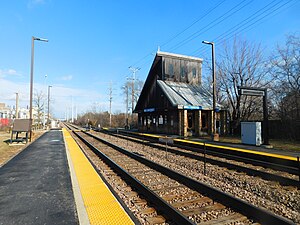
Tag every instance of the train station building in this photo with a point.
(174, 101)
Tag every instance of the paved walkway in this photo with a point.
(35, 186)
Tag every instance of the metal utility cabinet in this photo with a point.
(251, 133)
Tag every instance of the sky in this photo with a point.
(93, 43)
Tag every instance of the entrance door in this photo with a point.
(191, 123)
(204, 122)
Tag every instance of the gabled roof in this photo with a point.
(183, 94)
(151, 75)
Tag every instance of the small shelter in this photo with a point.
(174, 101)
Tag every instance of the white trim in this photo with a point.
(159, 53)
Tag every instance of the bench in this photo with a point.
(20, 126)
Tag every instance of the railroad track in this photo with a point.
(178, 198)
(250, 167)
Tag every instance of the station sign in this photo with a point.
(192, 107)
(252, 92)
(149, 110)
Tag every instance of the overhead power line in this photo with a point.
(205, 14)
(213, 24)
(249, 22)
(267, 11)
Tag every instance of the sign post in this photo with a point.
(259, 92)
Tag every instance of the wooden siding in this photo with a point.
(180, 70)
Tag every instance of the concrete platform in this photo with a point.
(35, 186)
(52, 182)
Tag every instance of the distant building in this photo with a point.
(5, 111)
(8, 114)
(173, 100)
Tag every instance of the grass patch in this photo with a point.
(8, 151)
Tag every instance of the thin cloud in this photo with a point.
(68, 77)
(33, 3)
(61, 97)
(9, 72)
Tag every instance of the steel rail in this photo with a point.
(258, 214)
(277, 164)
(125, 207)
(169, 212)
(265, 175)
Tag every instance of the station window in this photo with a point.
(160, 120)
(171, 70)
(182, 71)
(194, 72)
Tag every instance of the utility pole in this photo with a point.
(110, 100)
(67, 113)
(127, 99)
(133, 70)
(17, 105)
(72, 114)
(76, 117)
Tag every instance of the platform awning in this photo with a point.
(190, 96)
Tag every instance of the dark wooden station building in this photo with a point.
(173, 100)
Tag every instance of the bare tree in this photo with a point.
(39, 100)
(285, 70)
(127, 93)
(240, 64)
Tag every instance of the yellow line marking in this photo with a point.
(101, 206)
(240, 150)
(227, 148)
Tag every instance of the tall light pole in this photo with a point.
(31, 77)
(49, 103)
(215, 136)
(44, 113)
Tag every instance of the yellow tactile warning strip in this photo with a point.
(241, 150)
(228, 148)
(101, 206)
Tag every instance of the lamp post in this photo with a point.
(48, 119)
(215, 136)
(44, 113)
(31, 78)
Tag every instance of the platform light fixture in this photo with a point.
(214, 134)
(31, 77)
